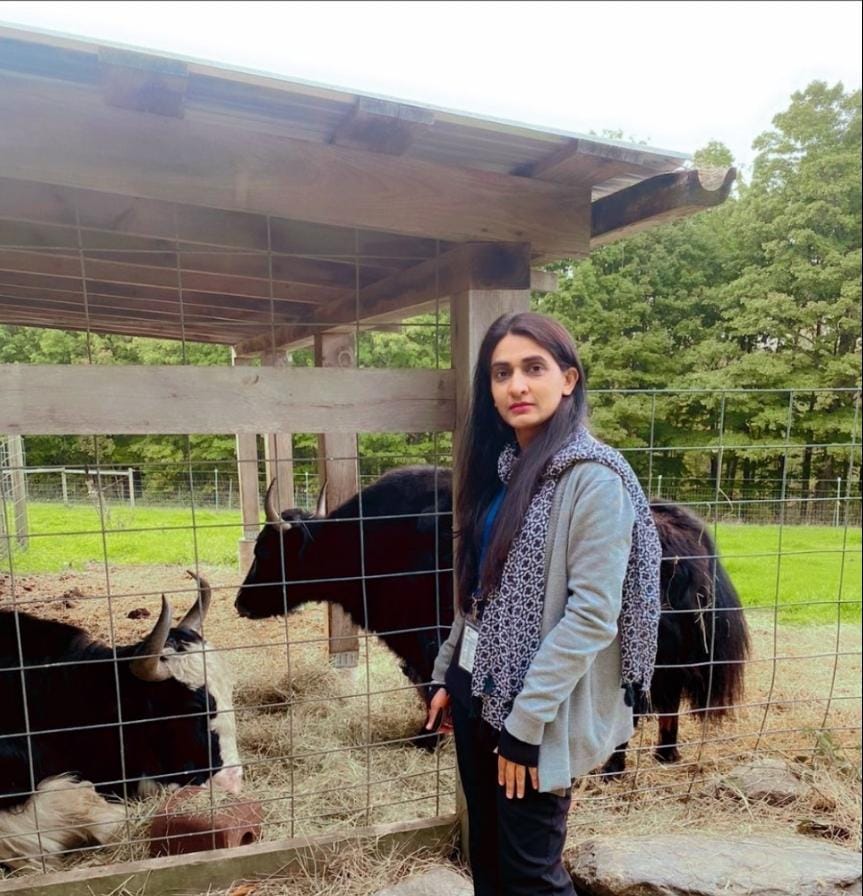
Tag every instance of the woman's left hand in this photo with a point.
(513, 776)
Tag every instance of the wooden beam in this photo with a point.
(585, 162)
(543, 281)
(337, 466)
(279, 448)
(468, 266)
(377, 125)
(113, 301)
(471, 314)
(656, 200)
(105, 271)
(215, 270)
(37, 214)
(18, 488)
(64, 134)
(220, 868)
(214, 334)
(142, 82)
(82, 400)
(248, 486)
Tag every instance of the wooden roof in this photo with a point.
(157, 196)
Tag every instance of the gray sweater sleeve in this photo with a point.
(444, 657)
(599, 540)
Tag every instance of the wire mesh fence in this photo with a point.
(818, 502)
(322, 748)
(246, 684)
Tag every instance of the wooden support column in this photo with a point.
(471, 314)
(18, 481)
(278, 449)
(247, 481)
(337, 465)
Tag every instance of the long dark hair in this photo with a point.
(485, 436)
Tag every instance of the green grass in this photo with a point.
(807, 581)
(815, 578)
(71, 537)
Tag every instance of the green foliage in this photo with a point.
(763, 292)
(714, 155)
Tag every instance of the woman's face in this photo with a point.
(527, 385)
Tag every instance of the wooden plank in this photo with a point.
(584, 162)
(219, 868)
(143, 82)
(249, 491)
(666, 197)
(111, 221)
(214, 334)
(18, 482)
(543, 281)
(108, 299)
(82, 400)
(377, 125)
(62, 133)
(35, 201)
(471, 314)
(279, 449)
(238, 274)
(337, 466)
(27, 234)
(468, 266)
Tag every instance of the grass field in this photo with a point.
(803, 574)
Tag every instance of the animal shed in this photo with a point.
(158, 197)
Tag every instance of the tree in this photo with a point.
(761, 293)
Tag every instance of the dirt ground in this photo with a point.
(326, 749)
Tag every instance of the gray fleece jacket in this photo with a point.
(572, 703)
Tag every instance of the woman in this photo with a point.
(558, 577)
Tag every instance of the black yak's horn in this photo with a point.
(149, 665)
(321, 509)
(194, 619)
(274, 515)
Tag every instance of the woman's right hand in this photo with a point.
(439, 712)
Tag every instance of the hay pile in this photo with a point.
(322, 755)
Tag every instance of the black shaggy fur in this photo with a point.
(69, 689)
(407, 599)
(703, 636)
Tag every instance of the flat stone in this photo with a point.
(702, 864)
(765, 780)
(439, 881)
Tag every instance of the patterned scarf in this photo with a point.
(512, 623)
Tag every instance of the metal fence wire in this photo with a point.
(323, 747)
(291, 719)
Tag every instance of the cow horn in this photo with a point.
(274, 515)
(321, 509)
(148, 666)
(194, 619)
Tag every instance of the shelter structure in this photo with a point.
(177, 199)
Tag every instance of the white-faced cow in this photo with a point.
(82, 721)
(386, 557)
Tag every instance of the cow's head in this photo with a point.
(278, 553)
(188, 692)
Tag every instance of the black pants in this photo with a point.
(515, 844)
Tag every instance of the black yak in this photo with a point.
(82, 721)
(400, 587)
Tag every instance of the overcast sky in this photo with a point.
(673, 74)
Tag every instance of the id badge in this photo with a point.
(469, 639)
